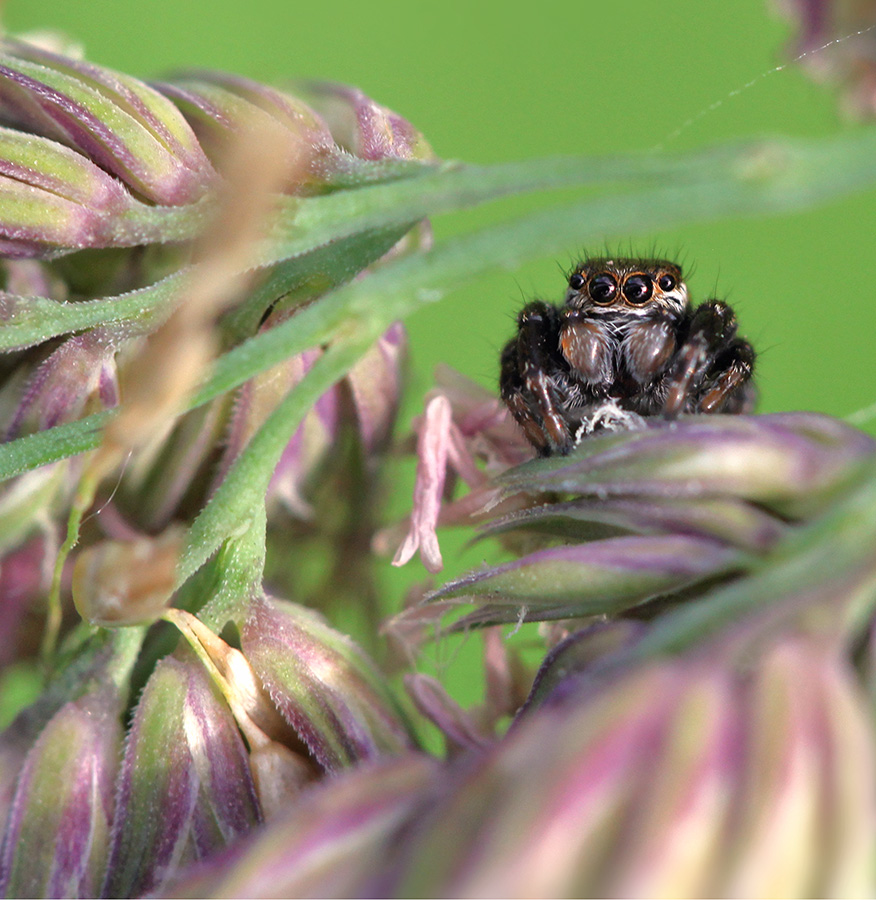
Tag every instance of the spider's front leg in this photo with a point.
(713, 368)
(534, 380)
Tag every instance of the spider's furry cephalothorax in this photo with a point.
(626, 343)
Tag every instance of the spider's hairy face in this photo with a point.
(625, 344)
(627, 287)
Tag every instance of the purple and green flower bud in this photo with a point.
(124, 126)
(311, 441)
(341, 125)
(77, 379)
(185, 789)
(597, 578)
(88, 156)
(728, 520)
(325, 687)
(278, 760)
(336, 841)
(662, 508)
(790, 463)
(52, 196)
(697, 777)
(56, 841)
(362, 127)
(801, 819)
(218, 105)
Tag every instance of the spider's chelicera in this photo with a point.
(626, 343)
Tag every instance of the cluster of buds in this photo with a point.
(707, 775)
(696, 730)
(220, 741)
(630, 517)
(94, 161)
(111, 190)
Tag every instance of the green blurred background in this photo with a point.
(488, 82)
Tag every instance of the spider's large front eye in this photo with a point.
(638, 289)
(603, 289)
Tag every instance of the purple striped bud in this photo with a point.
(52, 196)
(790, 463)
(697, 777)
(185, 789)
(89, 154)
(323, 684)
(56, 838)
(663, 508)
(78, 378)
(218, 105)
(124, 126)
(327, 140)
(309, 444)
(335, 842)
(725, 519)
(596, 578)
(362, 127)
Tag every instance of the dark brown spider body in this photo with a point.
(626, 343)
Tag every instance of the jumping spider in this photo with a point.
(625, 344)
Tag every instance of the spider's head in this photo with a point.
(629, 286)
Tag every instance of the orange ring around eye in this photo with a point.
(673, 282)
(643, 281)
(603, 289)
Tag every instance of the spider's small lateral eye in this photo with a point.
(638, 289)
(603, 289)
(666, 282)
(576, 281)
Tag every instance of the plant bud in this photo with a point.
(78, 378)
(596, 578)
(323, 684)
(185, 789)
(121, 124)
(690, 777)
(362, 127)
(789, 463)
(57, 837)
(218, 105)
(311, 441)
(335, 842)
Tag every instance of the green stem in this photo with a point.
(144, 224)
(84, 497)
(241, 496)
